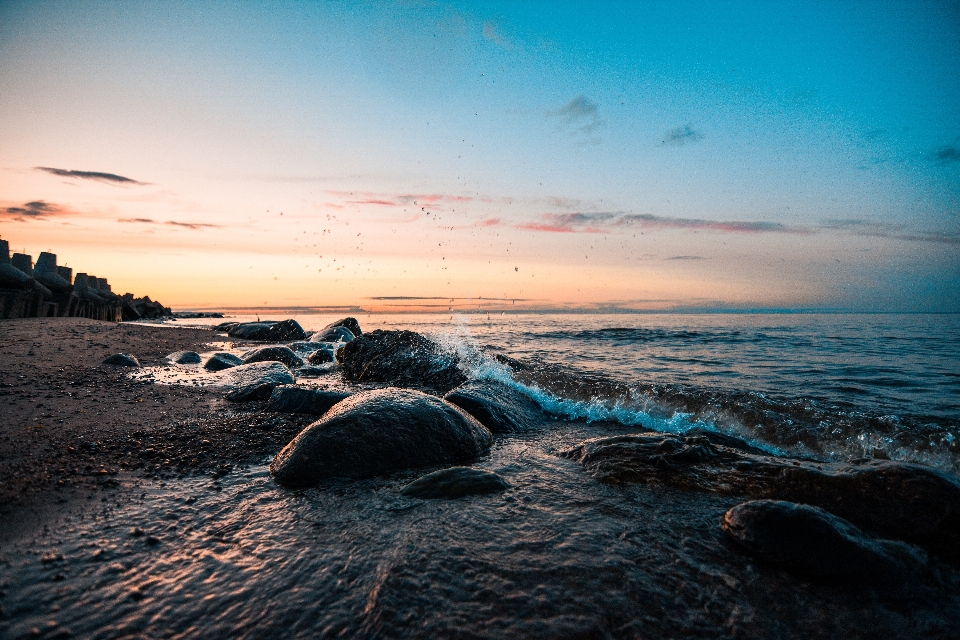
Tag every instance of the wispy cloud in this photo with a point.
(600, 222)
(581, 113)
(34, 210)
(685, 258)
(873, 229)
(492, 33)
(174, 223)
(681, 136)
(90, 175)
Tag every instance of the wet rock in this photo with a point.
(455, 482)
(333, 334)
(315, 372)
(349, 323)
(285, 331)
(287, 399)
(886, 499)
(815, 543)
(184, 357)
(308, 347)
(224, 326)
(274, 354)
(255, 381)
(268, 331)
(379, 431)
(498, 407)
(400, 358)
(122, 360)
(221, 360)
(250, 330)
(321, 356)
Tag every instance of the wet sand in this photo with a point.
(74, 430)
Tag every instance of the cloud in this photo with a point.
(581, 113)
(33, 210)
(90, 175)
(681, 136)
(385, 203)
(489, 222)
(174, 223)
(947, 154)
(686, 258)
(872, 229)
(602, 222)
(492, 33)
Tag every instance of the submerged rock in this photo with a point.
(222, 360)
(818, 544)
(184, 357)
(400, 358)
(274, 354)
(333, 334)
(455, 482)
(379, 431)
(122, 360)
(498, 407)
(255, 381)
(888, 499)
(286, 399)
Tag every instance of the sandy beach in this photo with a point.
(73, 428)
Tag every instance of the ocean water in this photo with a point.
(558, 554)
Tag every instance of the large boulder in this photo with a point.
(267, 331)
(222, 360)
(455, 482)
(400, 358)
(379, 431)
(817, 544)
(274, 354)
(250, 330)
(887, 499)
(333, 334)
(292, 399)
(498, 407)
(349, 323)
(255, 381)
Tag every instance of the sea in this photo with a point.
(558, 554)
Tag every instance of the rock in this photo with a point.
(255, 381)
(315, 372)
(349, 323)
(250, 330)
(887, 499)
(817, 544)
(267, 331)
(224, 326)
(333, 334)
(221, 360)
(308, 347)
(400, 358)
(455, 482)
(379, 431)
(498, 407)
(320, 356)
(286, 399)
(122, 360)
(285, 331)
(274, 354)
(184, 357)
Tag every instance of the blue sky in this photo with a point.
(695, 154)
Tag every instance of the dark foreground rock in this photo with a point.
(498, 407)
(455, 482)
(222, 360)
(379, 431)
(286, 399)
(887, 499)
(814, 543)
(184, 357)
(255, 381)
(266, 331)
(122, 360)
(400, 358)
(274, 354)
(349, 323)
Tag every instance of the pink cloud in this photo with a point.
(552, 228)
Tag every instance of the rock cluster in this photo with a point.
(400, 358)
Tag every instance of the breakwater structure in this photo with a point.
(45, 290)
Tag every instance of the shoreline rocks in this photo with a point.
(500, 408)
(255, 381)
(379, 431)
(222, 360)
(274, 354)
(399, 358)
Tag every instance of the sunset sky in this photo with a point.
(538, 155)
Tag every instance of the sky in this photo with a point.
(520, 156)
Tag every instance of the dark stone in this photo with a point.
(309, 347)
(349, 323)
(285, 331)
(225, 326)
(255, 381)
(250, 330)
(274, 354)
(185, 357)
(13, 278)
(455, 482)
(267, 331)
(375, 432)
(122, 360)
(320, 356)
(221, 360)
(333, 334)
(887, 499)
(400, 358)
(315, 372)
(287, 399)
(499, 407)
(817, 544)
